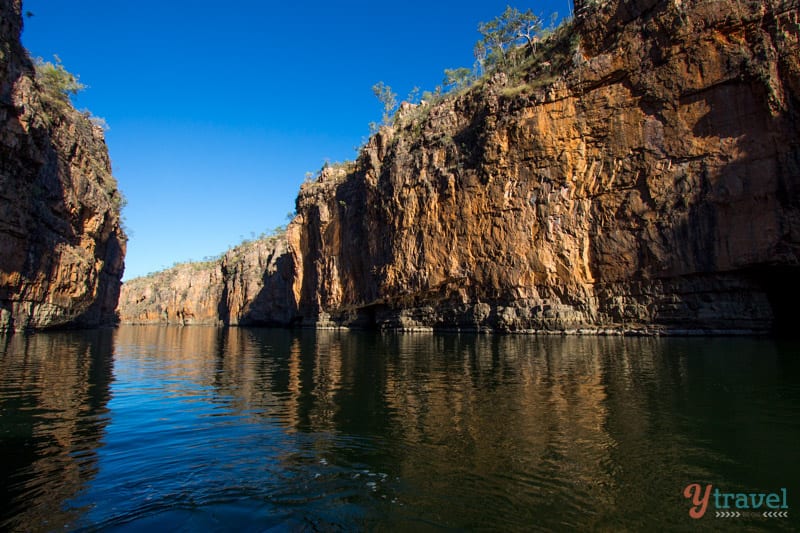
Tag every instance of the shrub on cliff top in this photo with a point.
(387, 98)
(59, 84)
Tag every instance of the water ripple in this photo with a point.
(264, 430)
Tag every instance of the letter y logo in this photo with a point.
(700, 503)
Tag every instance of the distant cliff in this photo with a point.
(61, 245)
(643, 174)
(249, 285)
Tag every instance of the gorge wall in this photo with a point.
(249, 285)
(61, 244)
(642, 174)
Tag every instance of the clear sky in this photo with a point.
(218, 109)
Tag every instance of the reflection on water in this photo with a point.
(206, 428)
(53, 395)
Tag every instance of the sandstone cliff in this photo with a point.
(61, 245)
(249, 285)
(643, 173)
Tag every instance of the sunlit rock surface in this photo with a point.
(644, 177)
(61, 244)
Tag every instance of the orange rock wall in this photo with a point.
(250, 284)
(61, 244)
(653, 184)
(643, 177)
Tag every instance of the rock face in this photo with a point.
(643, 175)
(61, 245)
(249, 285)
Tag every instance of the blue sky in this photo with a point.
(218, 109)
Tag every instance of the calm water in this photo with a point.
(153, 428)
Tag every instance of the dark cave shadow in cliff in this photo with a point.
(780, 284)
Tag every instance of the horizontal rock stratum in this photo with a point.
(61, 244)
(645, 175)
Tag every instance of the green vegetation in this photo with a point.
(58, 83)
(118, 200)
(530, 51)
(502, 34)
(434, 96)
(387, 98)
(512, 43)
(346, 166)
(456, 78)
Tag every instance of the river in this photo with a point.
(214, 429)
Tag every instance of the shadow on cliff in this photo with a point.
(736, 249)
(39, 221)
(35, 222)
(55, 225)
(343, 250)
(274, 304)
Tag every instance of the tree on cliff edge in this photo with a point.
(387, 98)
(500, 35)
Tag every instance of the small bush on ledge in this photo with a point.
(58, 83)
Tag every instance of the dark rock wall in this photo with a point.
(61, 245)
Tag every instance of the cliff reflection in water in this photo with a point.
(306, 429)
(53, 394)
